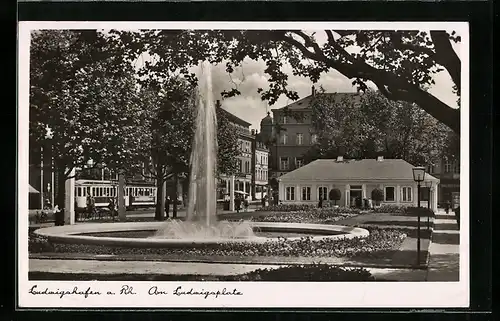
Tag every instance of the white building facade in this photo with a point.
(355, 179)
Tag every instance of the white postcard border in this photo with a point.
(254, 294)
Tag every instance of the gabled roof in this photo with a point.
(235, 119)
(349, 169)
(305, 102)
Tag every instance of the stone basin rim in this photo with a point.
(72, 234)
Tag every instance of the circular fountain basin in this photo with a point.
(92, 234)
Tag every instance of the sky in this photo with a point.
(250, 76)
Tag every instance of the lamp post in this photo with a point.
(428, 184)
(418, 176)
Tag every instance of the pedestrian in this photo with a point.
(246, 202)
(370, 203)
(447, 207)
(263, 200)
(111, 207)
(320, 203)
(167, 205)
(237, 203)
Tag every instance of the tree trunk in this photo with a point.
(174, 201)
(160, 197)
(61, 187)
(121, 197)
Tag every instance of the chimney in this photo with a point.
(253, 132)
(313, 91)
(340, 158)
(380, 158)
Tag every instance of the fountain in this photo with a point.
(201, 226)
(201, 222)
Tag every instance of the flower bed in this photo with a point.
(312, 272)
(403, 210)
(311, 215)
(379, 241)
(38, 244)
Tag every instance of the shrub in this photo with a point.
(334, 195)
(313, 272)
(377, 195)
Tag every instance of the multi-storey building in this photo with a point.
(448, 171)
(290, 133)
(260, 167)
(244, 175)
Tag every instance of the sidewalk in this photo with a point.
(444, 249)
(145, 268)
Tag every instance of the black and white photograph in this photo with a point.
(220, 164)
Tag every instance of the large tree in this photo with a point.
(402, 64)
(83, 91)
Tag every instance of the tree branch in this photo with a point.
(446, 56)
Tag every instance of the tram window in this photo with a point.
(83, 191)
(146, 192)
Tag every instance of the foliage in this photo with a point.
(81, 88)
(402, 64)
(310, 272)
(334, 194)
(228, 149)
(369, 125)
(377, 195)
(38, 244)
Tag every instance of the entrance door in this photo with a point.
(355, 195)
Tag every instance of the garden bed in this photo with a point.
(381, 242)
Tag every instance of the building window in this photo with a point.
(284, 139)
(431, 169)
(406, 194)
(300, 139)
(456, 168)
(447, 167)
(285, 119)
(290, 193)
(306, 193)
(323, 192)
(299, 162)
(240, 166)
(389, 194)
(284, 163)
(314, 138)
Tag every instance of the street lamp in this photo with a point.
(418, 176)
(428, 184)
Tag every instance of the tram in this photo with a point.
(135, 195)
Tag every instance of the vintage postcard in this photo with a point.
(243, 164)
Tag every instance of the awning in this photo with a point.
(33, 190)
